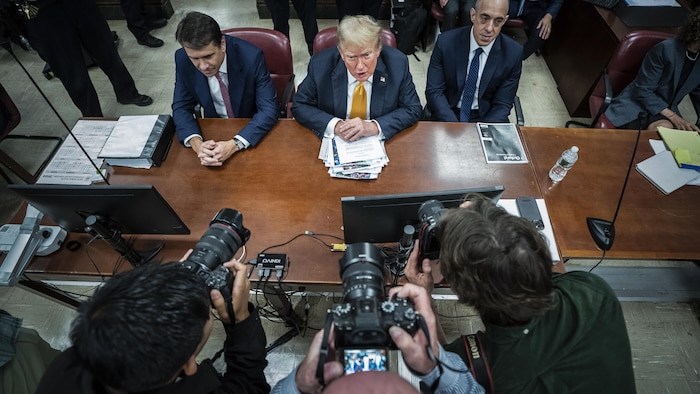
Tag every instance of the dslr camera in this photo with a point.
(363, 320)
(218, 245)
(428, 215)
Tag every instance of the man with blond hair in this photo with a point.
(358, 89)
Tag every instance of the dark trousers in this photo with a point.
(358, 7)
(457, 14)
(60, 31)
(533, 12)
(306, 11)
(135, 17)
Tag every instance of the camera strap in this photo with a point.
(476, 356)
(324, 350)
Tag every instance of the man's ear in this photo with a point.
(190, 367)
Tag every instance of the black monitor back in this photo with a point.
(381, 219)
(133, 209)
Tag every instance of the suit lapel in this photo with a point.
(376, 103)
(462, 57)
(339, 81)
(495, 57)
(235, 75)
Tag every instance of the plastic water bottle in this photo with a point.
(564, 164)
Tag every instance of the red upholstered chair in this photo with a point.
(621, 70)
(11, 117)
(328, 37)
(278, 58)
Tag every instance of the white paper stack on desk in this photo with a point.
(362, 159)
(663, 171)
(140, 141)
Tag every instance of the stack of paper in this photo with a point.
(685, 146)
(663, 172)
(362, 159)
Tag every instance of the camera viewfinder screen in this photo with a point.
(360, 360)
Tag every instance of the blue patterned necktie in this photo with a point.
(470, 87)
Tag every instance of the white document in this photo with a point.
(663, 172)
(129, 136)
(70, 166)
(501, 143)
(509, 205)
(367, 148)
(659, 146)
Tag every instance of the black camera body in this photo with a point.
(428, 215)
(363, 320)
(218, 245)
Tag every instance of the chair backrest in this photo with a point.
(328, 37)
(278, 58)
(623, 67)
(9, 113)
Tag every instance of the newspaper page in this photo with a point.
(501, 143)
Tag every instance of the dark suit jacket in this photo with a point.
(656, 84)
(249, 84)
(323, 93)
(448, 70)
(550, 7)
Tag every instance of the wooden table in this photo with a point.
(283, 189)
(650, 225)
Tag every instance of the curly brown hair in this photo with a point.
(690, 31)
(496, 262)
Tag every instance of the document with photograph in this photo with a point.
(501, 143)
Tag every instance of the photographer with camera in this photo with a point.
(545, 332)
(143, 329)
(366, 326)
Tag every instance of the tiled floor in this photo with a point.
(665, 336)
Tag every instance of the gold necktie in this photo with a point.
(358, 109)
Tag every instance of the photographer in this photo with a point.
(440, 379)
(143, 329)
(545, 332)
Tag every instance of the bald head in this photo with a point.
(488, 17)
(371, 382)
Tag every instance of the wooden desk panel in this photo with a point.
(583, 40)
(650, 225)
(283, 189)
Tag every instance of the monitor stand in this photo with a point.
(99, 226)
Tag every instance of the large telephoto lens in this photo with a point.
(221, 241)
(362, 272)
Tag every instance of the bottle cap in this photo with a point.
(574, 149)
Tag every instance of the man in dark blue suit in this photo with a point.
(499, 67)
(208, 64)
(324, 100)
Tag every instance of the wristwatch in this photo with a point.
(239, 143)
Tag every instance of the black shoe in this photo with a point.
(150, 41)
(141, 100)
(156, 23)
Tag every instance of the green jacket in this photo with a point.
(578, 346)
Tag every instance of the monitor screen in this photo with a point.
(381, 219)
(133, 209)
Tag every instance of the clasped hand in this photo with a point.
(214, 153)
(353, 129)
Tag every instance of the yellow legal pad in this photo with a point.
(685, 146)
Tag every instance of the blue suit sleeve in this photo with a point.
(266, 103)
(436, 84)
(184, 100)
(306, 108)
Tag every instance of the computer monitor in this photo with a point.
(131, 209)
(381, 219)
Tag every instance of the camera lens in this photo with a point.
(429, 213)
(362, 272)
(221, 241)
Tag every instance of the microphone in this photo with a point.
(8, 47)
(603, 231)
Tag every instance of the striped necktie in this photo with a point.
(470, 87)
(225, 96)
